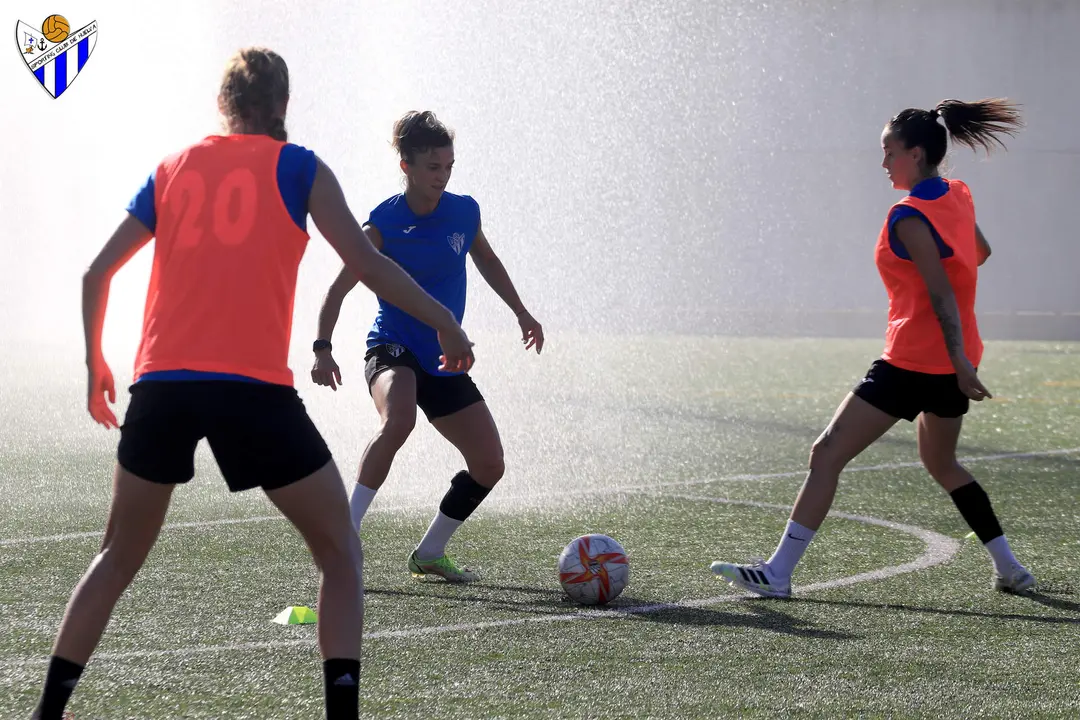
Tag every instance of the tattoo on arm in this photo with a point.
(948, 316)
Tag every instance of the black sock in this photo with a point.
(974, 504)
(60, 681)
(342, 683)
(463, 497)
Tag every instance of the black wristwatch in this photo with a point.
(321, 344)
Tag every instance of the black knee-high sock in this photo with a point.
(60, 681)
(341, 677)
(974, 504)
(463, 497)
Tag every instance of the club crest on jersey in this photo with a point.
(457, 241)
(54, 53)
(394, 349)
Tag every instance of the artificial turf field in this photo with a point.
(684, 461)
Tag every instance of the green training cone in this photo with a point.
(296, 615)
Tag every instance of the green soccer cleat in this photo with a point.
(442, 567)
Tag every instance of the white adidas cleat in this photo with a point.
(1018, 580)
(757, 577)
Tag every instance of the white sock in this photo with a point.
(791, 548)
(359, 502)
(1002, 555)
(438, 534)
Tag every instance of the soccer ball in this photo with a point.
(593, 569)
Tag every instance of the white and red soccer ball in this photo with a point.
(593, 569)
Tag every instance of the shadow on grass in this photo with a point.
(764, 614)
(1051, 602)
(546, 601)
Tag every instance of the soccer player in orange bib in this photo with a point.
(229, 215)
(928, 255)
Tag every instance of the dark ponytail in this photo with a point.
(975, 124)
(978, 124)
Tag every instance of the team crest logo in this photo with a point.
(457, 241)
(394, 349)
(55, 53)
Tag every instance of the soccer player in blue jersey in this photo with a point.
(428, 232)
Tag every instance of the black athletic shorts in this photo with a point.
(260, 434)
(905, 393)
(437, 395)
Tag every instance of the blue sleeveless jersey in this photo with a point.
(432, 250)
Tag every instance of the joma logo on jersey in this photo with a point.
(457, 241)
(55, 53)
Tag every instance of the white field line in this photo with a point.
(569, 493)
(939, 549)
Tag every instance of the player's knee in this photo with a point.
(825, 456)
(340, 555)
(119, 565)
(942, 468)
(356, 551)
(344, 575)
(396, 428)
(488, 470)
(348, 563)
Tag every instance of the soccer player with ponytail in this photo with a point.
(928, 254)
